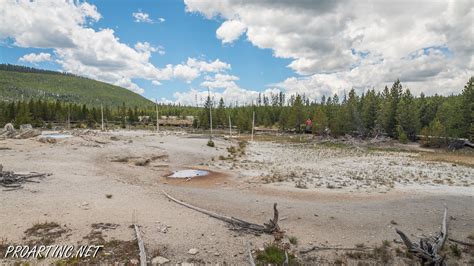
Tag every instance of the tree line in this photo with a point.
(394, 112)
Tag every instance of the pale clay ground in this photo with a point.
(351, 197)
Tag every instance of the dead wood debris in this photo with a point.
(268, 228)
(428, 249)
(321, 248)
(26, 131)
(141, 246)
(13, 181)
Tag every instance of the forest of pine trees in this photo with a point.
(394, 111)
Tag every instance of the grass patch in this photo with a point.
(274, 255)
(331, 144)
(455, 250)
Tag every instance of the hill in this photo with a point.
(19, 82)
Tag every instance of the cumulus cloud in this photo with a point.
(35, 58)
(230, 31)
(220, 81)
(355, 43)
(214, 66)
(232, 96)
(64, 27)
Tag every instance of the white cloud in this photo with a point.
(230, 31)
(142, 17)
(185, 72)
(145, 18)
(35, 58)
(232, 96)
(214, 66)
(220, 81)
(356, 43)
(148, 48)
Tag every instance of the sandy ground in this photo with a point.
(352, 196)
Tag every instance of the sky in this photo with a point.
(174, 51)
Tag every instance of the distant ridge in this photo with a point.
(22, 82)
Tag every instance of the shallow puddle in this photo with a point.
(189, 173)
(56, 136)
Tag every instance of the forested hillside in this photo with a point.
(20, 82)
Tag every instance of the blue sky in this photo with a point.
(181, 35)
(175, 50)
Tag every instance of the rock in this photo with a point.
(25, 127)
(193, 251)
(134, 261)
(159, 260)
(217, 254)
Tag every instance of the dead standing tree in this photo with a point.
(429, 248)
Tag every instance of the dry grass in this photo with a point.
(44, 233)
(456, 158)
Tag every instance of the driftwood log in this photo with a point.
(141, 246)
(267, 228)
(249, 255)
(322, 248)
(13, 181)
(428, 249)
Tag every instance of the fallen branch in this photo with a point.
(268, 228)
(316, 248)
(461, 242)
(141, 246)
(249, 254)
(428, 251)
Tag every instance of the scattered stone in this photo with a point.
(159, 260)
(193, 251)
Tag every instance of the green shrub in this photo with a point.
(210, 143)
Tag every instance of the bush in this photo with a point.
(402, 137)
(210, 143)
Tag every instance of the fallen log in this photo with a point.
(428, 251)
(249, 254)
(317, 248)
(268, 228)
(461, 242)
(141, 246)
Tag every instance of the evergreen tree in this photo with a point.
(320, 121)
(407, 116)
(467, 109)
(24, 115)
(221, 116)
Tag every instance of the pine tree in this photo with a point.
(320, 121)
(296, 115)
(467, 109)
(407, 116)
(221, 117)
(24, 115)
